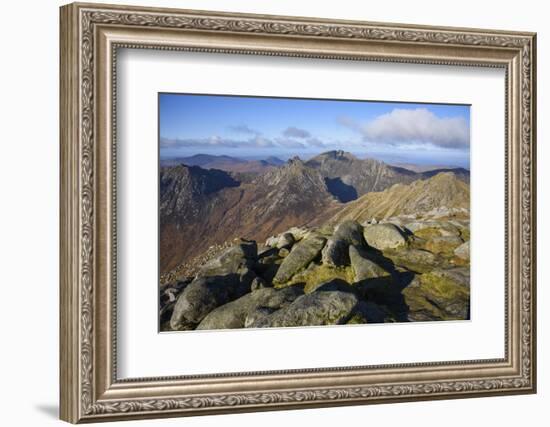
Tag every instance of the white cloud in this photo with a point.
(244, 129)
(409, 127)
(291, 138)
(294, 132)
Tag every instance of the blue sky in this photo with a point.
(256, 127)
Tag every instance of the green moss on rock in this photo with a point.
(465, 233)
(443, 245)
(428, 233)
(434, 296)
(316, 274)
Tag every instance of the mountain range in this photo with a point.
(205, 200)
(192, 217)
(225, 163)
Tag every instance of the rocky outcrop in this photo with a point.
(433, 228)
(314, 309)
(205, 294)
(351, 232)
(439, 295)
(443, 244)
(284, 240)
(302, 254)
(363, 267)
(400, 269)
(414, 259)
(223, 279)
(332, 285)
(335, 252)
(384, 236)
(463, 251)
(347, 233)
(231, 260)
(235, 314)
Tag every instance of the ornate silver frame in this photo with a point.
(90, 36)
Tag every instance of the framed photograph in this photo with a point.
(267, 212)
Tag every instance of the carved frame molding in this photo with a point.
(90, 36)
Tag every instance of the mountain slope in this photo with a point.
(291, 189)
(460, 173)
(444, 190)
(277, 200)
(275, 161)
(183, 188)
(349, 177)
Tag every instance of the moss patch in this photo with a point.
(418, 303)
(316, 274)
(442, 287)
(419, 262)
(428, 233)
(326, 230)
(459, 262)
(438, 296)
(442, 246)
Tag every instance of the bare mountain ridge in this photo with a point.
(292, 189)
(460, 173)
(349, 177)
(183, 187)
(444, 190)
(276, 200)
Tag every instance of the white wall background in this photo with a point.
(29, 170)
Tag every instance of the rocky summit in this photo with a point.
(351, 273)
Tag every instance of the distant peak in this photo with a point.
(441, 180)
(337, 155)
(294, 169)
(294, 166)
(295, 161)
(444, 176)
(274, 160)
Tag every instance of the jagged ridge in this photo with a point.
(291, 195)
(348, 175)
(444, 190)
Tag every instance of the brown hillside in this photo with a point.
(277, 200)
(442, 190)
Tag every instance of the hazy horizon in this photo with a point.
(256, 128)
(285, 158)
